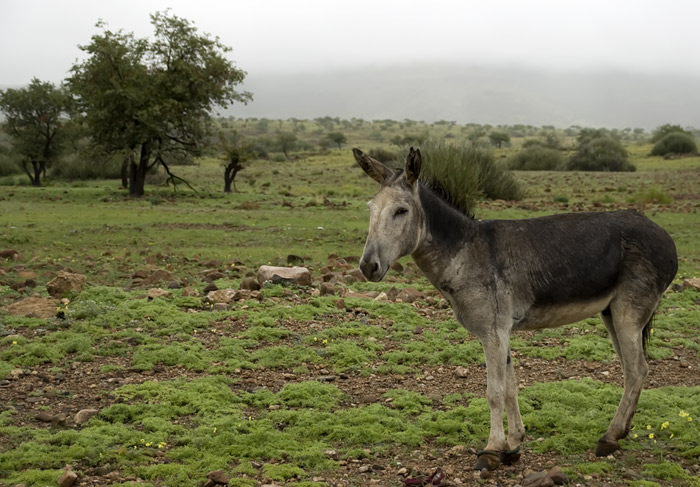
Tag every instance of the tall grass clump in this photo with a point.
(675, 143)
(466, 174)
(537, 158)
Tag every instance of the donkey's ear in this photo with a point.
(374, 169)
(412, 167)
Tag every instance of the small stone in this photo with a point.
(340, 303)
(250, 283)
(218, 476)
(364, 469)
(462, 372)
(403, 471)
(537, 479)
(44, 417)
(382, 297)
(64, 283)
(327, 289)
(84, 415)
(293, 275)
(210, 287)
(485, 474)
(326, 378)
(156, 292)
(15, 374)
(67, 479)
(558, 476)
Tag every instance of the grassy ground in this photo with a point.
(295, 388)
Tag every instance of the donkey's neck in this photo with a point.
(447, 230)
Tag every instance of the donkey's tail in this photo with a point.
(646, 332)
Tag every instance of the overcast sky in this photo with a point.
(39, 38)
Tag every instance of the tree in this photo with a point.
(666, 129)
(236, 152)
(337, 138)
(499, 138)
(675, 143)
(286, 141)
(153, 97)
(35, 118)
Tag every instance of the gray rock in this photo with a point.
(558, 476)
(294, 275)
(67, 479)
(84, 415)
(538, 479)
(218, 476)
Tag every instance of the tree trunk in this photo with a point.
(137, 173)
(125, 170)
(35, 173)
(230, 172)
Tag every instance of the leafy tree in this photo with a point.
(537, 158)
(153, 97)
(286, 141)
(337, 138)
(499, 138)
(666, 129)
(600, 154)
(35, 118)
(675, 143)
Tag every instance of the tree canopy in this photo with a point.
(35, 117)
(153, 97)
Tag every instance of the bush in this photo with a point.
(537, 158)
(75, 167)
(600, 154)
(467, 173)
(383, 155)
(675, 143)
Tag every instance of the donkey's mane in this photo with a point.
(439, 189)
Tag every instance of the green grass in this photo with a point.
(278, 429)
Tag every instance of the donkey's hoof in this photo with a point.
(606, 447)
(509, 457)
(487, 459)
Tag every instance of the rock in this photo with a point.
(408, 295)
(396, 267)
(392, 293)
(33, 307)
(154, 278)
(67, 479)
(220, 307)
(174, 285)
(222, 296)
(485, 473)
(558, 476)
(218, 476)
(209, 483)
(462, 372)
(357, 275)
(213, 275)
(15, 374)
(9, 254)
(293, 275)
(382, 297)
(84, 415)
(327, 289)
(210, 287)
(340, 303)
(156, 292)
(45, 417)
(250, 284)
(537, 479)
(294, 259)
(65, 283)
(190, 291)
(692, 283)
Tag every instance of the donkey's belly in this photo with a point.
(552, 315)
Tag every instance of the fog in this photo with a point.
(593, 62)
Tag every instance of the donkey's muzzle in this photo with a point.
(371, 268)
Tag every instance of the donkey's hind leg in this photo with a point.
(628, 321)
(516, 429)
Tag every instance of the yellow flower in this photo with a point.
(14, 342)
(143, 441)
(214, 429)
(315, 339)
(325, 341)
(651, 436)
(664, 425)
(648, 426)
(149, 443)
(671, 435)
(689, 418)
(683, 414)
(635, 435)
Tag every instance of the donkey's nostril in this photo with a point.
(369, 268)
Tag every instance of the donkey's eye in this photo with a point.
(400, 211)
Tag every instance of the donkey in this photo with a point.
(507, 275)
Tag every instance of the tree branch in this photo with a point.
(173, 177)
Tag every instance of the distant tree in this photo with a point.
(675, 143)
(236, 151)
(35, 119)
(600, 154)
(153, 96)
(586, 135)
(666, 129)
(537, 158)
(337, 138)
(499, 138)
(286, 141)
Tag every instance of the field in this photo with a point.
(290, 387)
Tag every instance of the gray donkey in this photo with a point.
(506, 275)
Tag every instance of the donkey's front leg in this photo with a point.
(495, 345)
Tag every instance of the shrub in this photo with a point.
(666, 129)
(537, 158)
(383, 155)
(467, 173)
(675, 143)
(600, 154)
(77, 166)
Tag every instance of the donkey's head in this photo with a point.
(396, 219)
